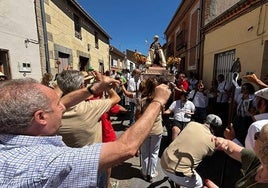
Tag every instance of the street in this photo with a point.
(127, 174)
(219, 168)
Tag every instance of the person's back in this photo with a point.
(81, 123)
(185, 153)
(191, 146)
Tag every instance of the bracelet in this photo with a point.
(89, 89)
(161, 105)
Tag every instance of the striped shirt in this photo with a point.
(45, 161)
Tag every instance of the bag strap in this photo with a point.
(193, 95)
(223, 89)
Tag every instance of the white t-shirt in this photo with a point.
(261, 120)
(181, 110)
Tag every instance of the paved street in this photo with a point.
(128, 174)
(223, 170)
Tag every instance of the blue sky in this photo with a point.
(131, 23)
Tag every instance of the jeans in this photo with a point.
(102, 179)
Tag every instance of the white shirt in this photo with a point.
(243, 105)
(192, 83)
(199, 100)
(179, 109)
(133, 87)
(222, 94)
(261, 120)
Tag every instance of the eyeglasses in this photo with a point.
(257, 135)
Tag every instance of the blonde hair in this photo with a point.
(263, 153)
(47, 77)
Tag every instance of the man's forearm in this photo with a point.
(137, 133)
(233, 150)
(114, 97)
(75, 97)
(129, 142)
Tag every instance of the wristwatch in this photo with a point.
(89, 89)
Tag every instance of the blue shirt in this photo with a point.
(45, 161)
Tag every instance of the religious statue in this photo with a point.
(156, 56)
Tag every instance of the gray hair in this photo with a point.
(70, 80)
(20, 99)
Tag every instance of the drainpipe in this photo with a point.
(43, 16)
(201, 44)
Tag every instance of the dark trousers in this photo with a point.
(222, 112)
(132, 111)
(200, 115)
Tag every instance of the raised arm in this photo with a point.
(127, 145)
(254, 79)
(103, 83)
(114, 97)
(126, 92)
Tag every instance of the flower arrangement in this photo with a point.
(173, 60)
(141, 59)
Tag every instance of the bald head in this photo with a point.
(264, 132)
(136, 71)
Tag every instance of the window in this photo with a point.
(180, 40)
(114, 63)
(170, 50)
(77, 27)
(63, 60)
(223, 64)
(96, 40)
(83, 63)
(101, 67)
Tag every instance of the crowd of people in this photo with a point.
(58, 132)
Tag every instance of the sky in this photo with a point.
(132, 24)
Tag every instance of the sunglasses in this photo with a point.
(257, 135)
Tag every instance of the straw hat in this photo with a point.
(2, 75)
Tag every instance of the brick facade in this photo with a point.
(183, 35)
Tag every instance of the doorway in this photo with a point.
(83, 63)
(4, 63)
(63, 59)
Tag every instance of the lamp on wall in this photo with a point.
(250, 28)
(27, 41)
(88, 47)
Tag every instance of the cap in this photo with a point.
(213, 120)
(156, 36)
(90, 69)
(2, 75)
(119, 72)
(263, 93)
